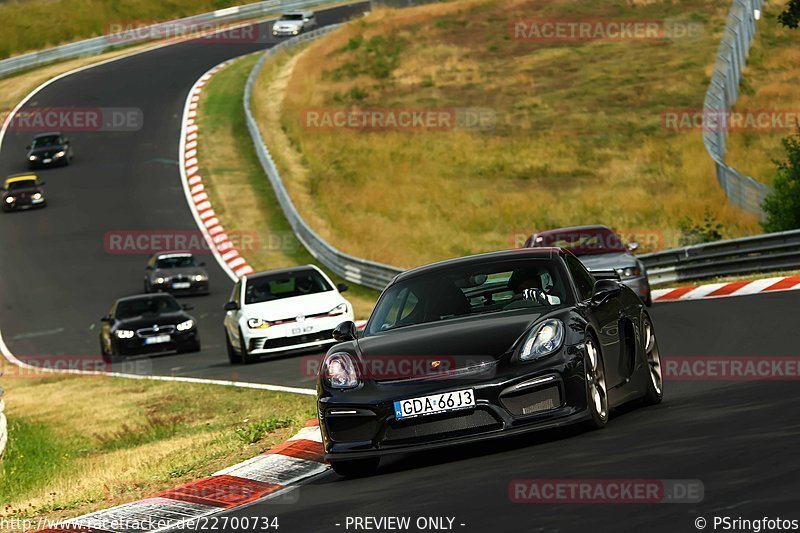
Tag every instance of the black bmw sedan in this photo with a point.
(480, 347)
(49, 150)
(147, 324)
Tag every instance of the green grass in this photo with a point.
(241, 194)
(38, 24)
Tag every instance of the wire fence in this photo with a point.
(742, 191)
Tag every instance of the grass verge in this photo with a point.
(241, 195)
(579, 134)
(78, 444)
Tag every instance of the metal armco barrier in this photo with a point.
(98, 45)
(359, 271)
(3, 425)
(761, 253)
(723, 91)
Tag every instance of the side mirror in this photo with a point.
(105, 319)
(346, 331)
(605, 288)
(231, 306)
(632, 246)
(187, 307)
(341, 287)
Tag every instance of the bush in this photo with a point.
(709, 231)
(782, 205)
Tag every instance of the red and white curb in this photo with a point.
(722, 290)
(297, 459)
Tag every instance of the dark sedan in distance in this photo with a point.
(147, 324)
(480, 347)
(49, 150)
(22, 191)
(177, 273)
(600, 249)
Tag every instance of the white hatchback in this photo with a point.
(281, 310)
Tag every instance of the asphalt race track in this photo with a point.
(738, 438)
(58, 279)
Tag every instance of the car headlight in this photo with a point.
(630, 272)
(160, 280)
(37, 196)
(32, 158)
(199, 277)
(545, 339)
(257, 323)
(339, 372)
(124, 334)
(10, 199)
(338, 310)
(186, 325)
(62, 153)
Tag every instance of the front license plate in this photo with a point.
(436, 403)
(158, 339)
(302, 331)
(181, 285)
(46, 161)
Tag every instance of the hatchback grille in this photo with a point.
(266, 344)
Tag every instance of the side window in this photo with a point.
(584, 281)
(237, 293)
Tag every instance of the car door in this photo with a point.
(232, 317)
(606, 316)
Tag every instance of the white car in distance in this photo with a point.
(281, 310)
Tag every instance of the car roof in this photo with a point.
(518, 253)
(265, 273)
(572, 229)
(145, 296)
(21, 177)
(298, 12)
(181, 253)
(47, 134)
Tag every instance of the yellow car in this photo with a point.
(22, 191)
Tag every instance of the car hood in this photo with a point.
(148, 321)
(608, 261)
(289, 24)
(467, 339)
(289, 308)
(188, 271)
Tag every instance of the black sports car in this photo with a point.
(22, 191)
(147, 324)
(480, 347)
(176, 272)
(49, 150)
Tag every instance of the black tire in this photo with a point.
(654, 392)
(247, 358)
(356, 467)
(596, 386)
(233, 357)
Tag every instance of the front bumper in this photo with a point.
(286, 32)
(179, 342)
(312, 333)
(195, 287)
(47, 162)
(358, 428)
(24, 203)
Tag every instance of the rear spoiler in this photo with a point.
(609, 273)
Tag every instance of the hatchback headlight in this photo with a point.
(200, 277)
(339, 372)
(10, 199)
(62, 153)
(124, 334)
(37, 196)
(32, 158)
(338, 310)
(545, 339)
(186, 325)
(630, 272)
(257, 323)
(159, 280)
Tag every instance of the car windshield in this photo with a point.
(292, 16)
(154, 305)
(479, 289)
(45, 142)
(286, 285)
(583, 242)
(21, 184)
(176, 261)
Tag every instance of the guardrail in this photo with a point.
(154, 32)
(3, 425)
(742, 191)
(761, 253)
(359, 271)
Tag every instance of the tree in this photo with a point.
(782, 204)
(791, 15)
